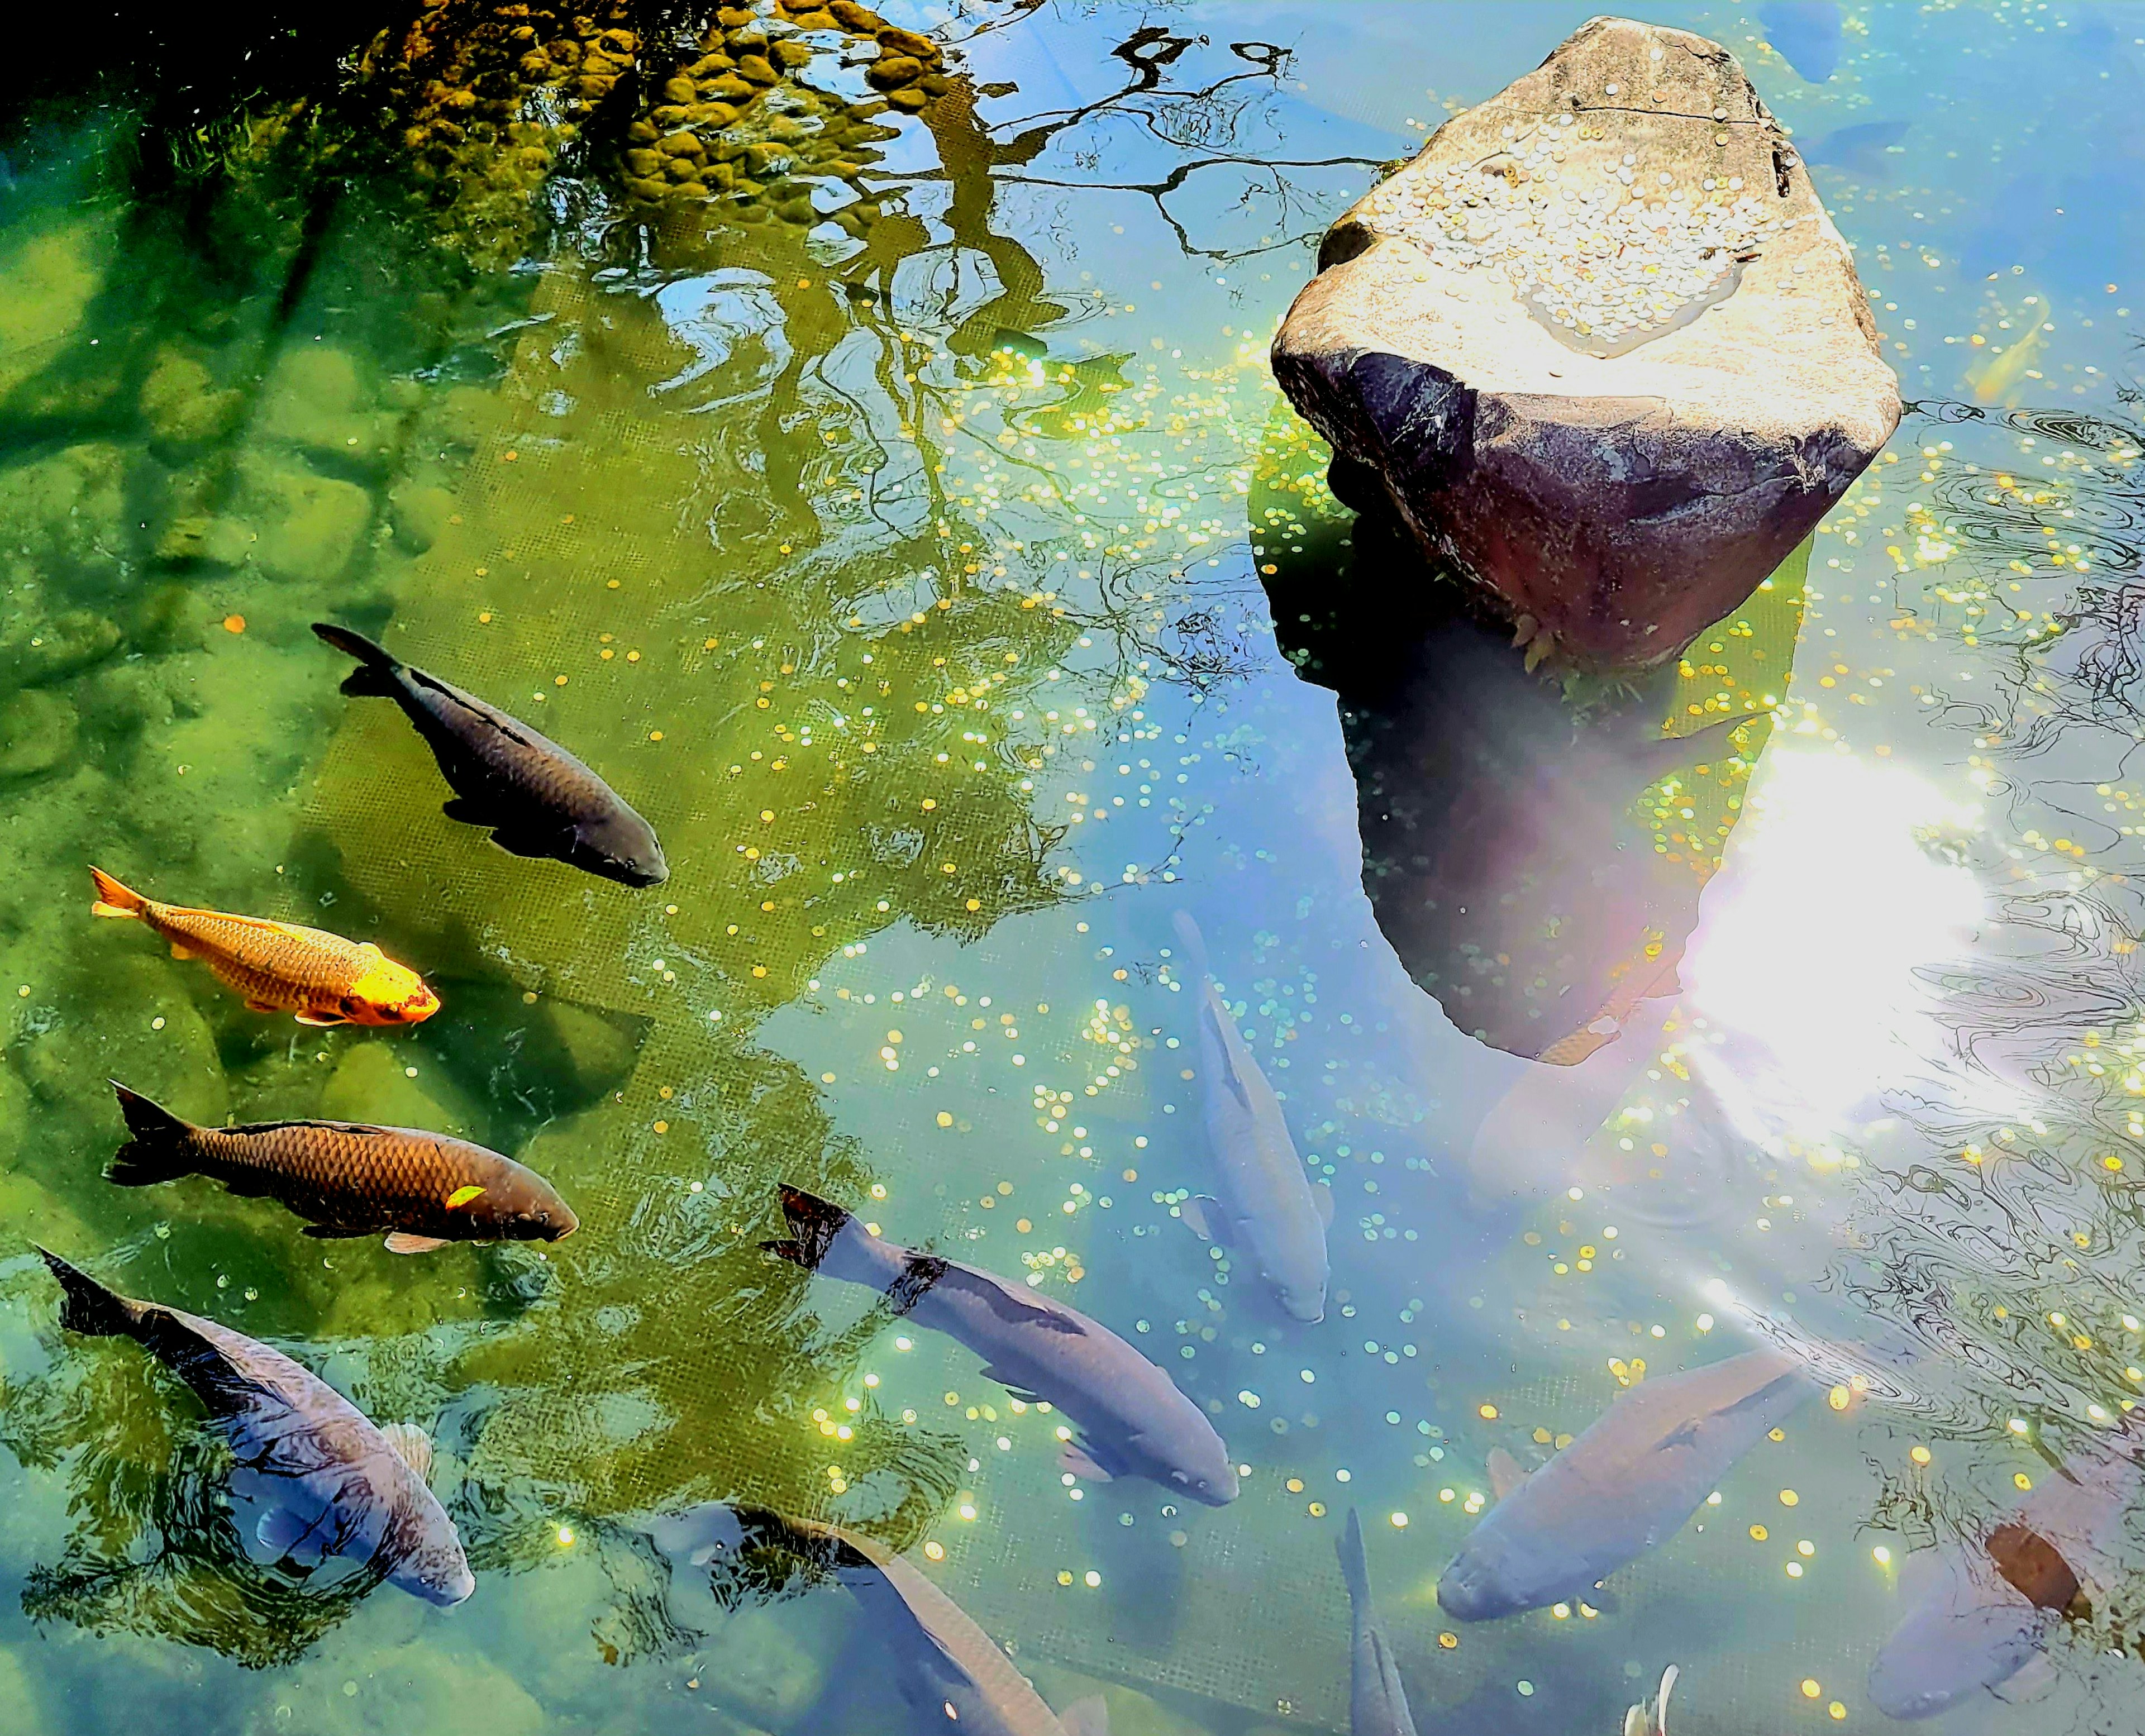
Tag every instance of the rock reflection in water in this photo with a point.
(1506, 854)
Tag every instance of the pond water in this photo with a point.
(904, 519)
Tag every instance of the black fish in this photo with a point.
(315, 1475)
(537, 798)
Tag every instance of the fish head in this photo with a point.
(1213, 1483)
(1497, 1572)
(621, 846)
(1304, 1300)
(388, 993)
(1951, 1648)
(550, 1219)
(437, 1570)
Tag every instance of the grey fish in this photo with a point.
(537, 798)
(322, 1479)
(1627, 1483)
(1650, 1717)
(948, 1666)
(1377, 1703)
(1132, 1420)
(1990, 1605)
(1264, 1204)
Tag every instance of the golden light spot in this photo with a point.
(1920, 1454)
(662, 1127)
(1318, 1510)
(1810, 1689)
(655, 735)
(934, 1550)
(944, 1119)
(234, 624)
(1448, 1640)
(1838, 1398)
(1758, 1534)
(1488, 1412)
(1788, 1498)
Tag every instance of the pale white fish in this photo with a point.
(1650, 1717)
(1264, 1204)
(946, 1666)
(1627, 1483)
(1985, 1607)
(1377, 1702)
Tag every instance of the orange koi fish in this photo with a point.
(279, 966)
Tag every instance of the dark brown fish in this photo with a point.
(537, 798)
(312, 1476)
(349, 1179)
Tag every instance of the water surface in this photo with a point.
(911, 530)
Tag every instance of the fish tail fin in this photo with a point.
(158, 1151)
(1088, 1717)
(88, 1307)
(1192, 940)
(113, 899)
(814, 1224)
(374, 677)
(1354, 1566)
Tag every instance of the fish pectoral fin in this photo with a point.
(1506, 1473)
(1013, 1387)
(318, 1018)
(1088, 1717)
(179, 950)
(412, 1445)
(1077, 1458)
(1321, 1201)
(1209, 1222)
(468, 812)
(288, 1532)
(338, 1232)
(2028, 1682)
(533, 844)
(401, 1241)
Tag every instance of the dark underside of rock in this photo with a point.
(1599, 345)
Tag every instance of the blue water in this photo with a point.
(910, 528)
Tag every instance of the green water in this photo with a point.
(909, 528)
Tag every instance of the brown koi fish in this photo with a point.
(279, 966)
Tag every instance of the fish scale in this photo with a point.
(386, 1165)
(270, 957)
(349, 1178)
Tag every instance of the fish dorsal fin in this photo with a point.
(1505, 1474)
(1005, 1301)
(511, 728)
(1224, 1033)
(1321, 1201)
(412, 1445)
(1208, 1222)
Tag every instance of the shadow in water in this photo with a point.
(1508, 854)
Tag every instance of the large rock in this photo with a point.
(1600, 344)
